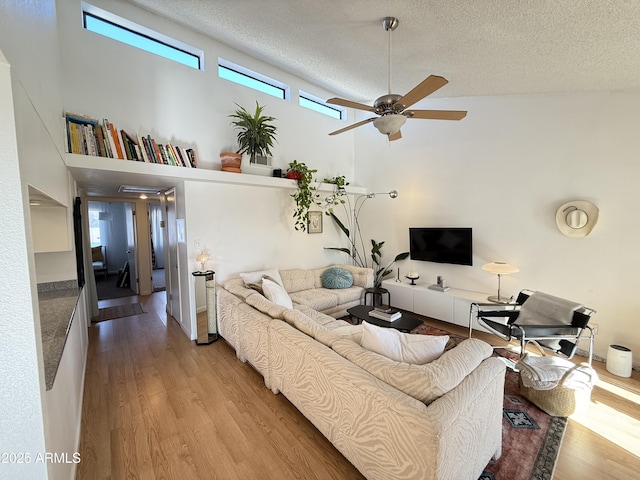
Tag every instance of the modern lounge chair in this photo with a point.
(551, 322)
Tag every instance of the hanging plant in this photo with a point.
(306, 195)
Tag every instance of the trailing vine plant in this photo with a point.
(306, 195)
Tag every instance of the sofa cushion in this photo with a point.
(316, 298)
(298, 280)
(402, 347)
(348, 295)
(349, 332)
(336, 277)
(260, 303)
(423, 382)
(252, 278)
(276, 293)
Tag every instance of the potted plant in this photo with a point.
(306, 195)
(256, 132)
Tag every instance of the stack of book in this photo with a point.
(87, 136)
(386, 314)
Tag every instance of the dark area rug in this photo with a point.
(531, 439)
(118, 311)
(107, 288)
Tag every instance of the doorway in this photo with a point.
(112, 235)
(156, 225)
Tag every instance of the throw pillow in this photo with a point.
(276, 293)
(256, 277)
(336, 277)
(402, 347)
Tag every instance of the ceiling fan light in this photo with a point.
(389, 124)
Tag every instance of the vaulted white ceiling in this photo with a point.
(483, 47)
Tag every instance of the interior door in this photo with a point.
(130, 221)
(171, 258)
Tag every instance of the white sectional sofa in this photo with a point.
(392, 420)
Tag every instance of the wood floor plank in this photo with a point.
(157, 406)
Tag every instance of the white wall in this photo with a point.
(21, 376)
(190, 108)
(28, 38)
(504, 170)
(144, 93)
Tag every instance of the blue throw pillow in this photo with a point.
(336, 277)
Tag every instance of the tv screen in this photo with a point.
(441, 245)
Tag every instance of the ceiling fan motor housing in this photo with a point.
(388, 104)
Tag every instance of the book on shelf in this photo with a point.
(388, 315)
(85, 135)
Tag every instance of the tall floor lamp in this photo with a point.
(499, 268)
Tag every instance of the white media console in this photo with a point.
(450, 306)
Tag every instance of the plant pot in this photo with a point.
(294, 175)
(231, 162)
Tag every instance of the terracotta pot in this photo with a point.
(294, 175)
(231, 162)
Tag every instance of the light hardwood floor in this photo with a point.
(157, 406)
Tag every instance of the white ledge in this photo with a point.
(104, 173)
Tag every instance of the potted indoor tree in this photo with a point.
(256, 132)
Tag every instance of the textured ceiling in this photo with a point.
(497, 47)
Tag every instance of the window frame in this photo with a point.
(160, 39)
(322, 107)
(254, 78)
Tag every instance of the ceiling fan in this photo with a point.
(392, 109)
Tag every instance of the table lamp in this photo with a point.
(499, 268)
(202, 258)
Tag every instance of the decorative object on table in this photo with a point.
(277, 172)
(314, 223)
(386, 314)
(256, 132)
(391, 108)
(499, 268)
(440, 285)
(412, 276)
(354, 235)
(202, 259)
(306, 195)
(231, 162)
(398, 277)
(577, 218)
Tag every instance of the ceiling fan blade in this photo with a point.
(423, 89)
(348, 103)
(436, 114)
(359, 124)
(395, 136)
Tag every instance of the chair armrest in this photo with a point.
(510, 310)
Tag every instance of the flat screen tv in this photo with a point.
(441, 245)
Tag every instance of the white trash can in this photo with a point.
(619, 360)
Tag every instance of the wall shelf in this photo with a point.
(107, 174)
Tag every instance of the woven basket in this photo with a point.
(559, 401)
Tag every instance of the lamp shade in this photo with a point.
(500, 268)
(389, 124)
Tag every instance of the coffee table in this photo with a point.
(406, 323)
